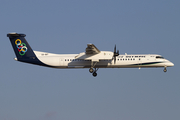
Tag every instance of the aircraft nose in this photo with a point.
(171, 64)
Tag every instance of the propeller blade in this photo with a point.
(115, 54)
(115, 49)
(118, 52)
(114, 60)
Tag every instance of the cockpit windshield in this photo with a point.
(159, 57)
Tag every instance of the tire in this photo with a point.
(91, 70)
(94, 74)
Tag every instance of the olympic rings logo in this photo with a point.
(21, 47)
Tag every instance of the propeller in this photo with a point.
(115, 54)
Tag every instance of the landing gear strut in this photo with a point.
(165, 70)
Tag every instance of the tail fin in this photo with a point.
(22, 49)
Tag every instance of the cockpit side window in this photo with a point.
(159, 57)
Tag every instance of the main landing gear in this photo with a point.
(93, 71)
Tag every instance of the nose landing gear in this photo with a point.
(165, 70)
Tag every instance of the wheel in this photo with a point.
(94, 74)
(91, 70)
(165, 70)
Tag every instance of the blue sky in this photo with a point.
(29, 92)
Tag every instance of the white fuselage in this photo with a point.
(92, 58)
(122, 61)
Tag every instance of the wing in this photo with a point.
(92, 49)
(94, 54)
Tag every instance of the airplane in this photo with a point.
(92, 58)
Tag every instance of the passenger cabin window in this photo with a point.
(159, 57)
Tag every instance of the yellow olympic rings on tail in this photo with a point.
(17, 41)
(21, 47)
